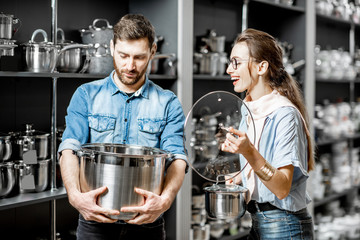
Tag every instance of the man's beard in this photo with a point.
(127, 81)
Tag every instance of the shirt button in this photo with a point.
(128, 101)
(125, 120)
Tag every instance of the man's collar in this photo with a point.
(143, 90)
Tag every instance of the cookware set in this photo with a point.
(24, 161)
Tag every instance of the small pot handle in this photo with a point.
(16, 21)
(39, 31)
(81, 153)
(8, 149)
(62, 34)
(98, 20)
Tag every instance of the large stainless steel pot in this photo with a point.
(43, 56)
(121, 168)
(7, 178)
(6, 25)
(99, 59)
(31, 140)
(95, 34)
(32, 177)
(225, 202)
(5, 147)
(216, 43)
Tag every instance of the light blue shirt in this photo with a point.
(100, 113)
(283, 142)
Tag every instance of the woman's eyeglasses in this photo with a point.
(235, 62)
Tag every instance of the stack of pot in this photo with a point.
(98, 57)
(7, 31)
(212, 57)
(24, 163)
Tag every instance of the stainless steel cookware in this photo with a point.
(6, 25)
(98, 59)
(121, 168)
(225, 202)
(32, 177)
(96, 34)
(5, 147)
(69, 60)
(7, 47)
(31, 140)
(43, 56)
(7, 178)
(216, 43)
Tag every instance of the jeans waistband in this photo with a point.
(254, 207)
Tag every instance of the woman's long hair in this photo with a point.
(263, 47)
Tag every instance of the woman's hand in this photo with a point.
(236, 142)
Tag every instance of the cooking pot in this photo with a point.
(98, 59)
(94, 34)
(43, 56)
(208, 62)
(32, 177)
(31, 140)
(225, 201)
(6, 25)
(7, 178)
(121, 168)
(5, 147)
(216, 43)
(69, 60)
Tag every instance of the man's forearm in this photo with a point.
(69, 165)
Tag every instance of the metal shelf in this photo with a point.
(280, 5)
(345, 81)
(341, 139)
(24, 199)
(210, 77)
(73, 75)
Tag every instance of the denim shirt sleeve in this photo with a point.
(77, 131)
(172, 135)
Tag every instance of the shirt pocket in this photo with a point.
(151, 128)
(101, 123)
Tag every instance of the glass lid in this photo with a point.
(205, 130)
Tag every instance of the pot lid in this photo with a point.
(31, 132)
(98, 27)
(4, 135)
(6, 15)
(225, 188)
(207, 122)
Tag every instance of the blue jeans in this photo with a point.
(280, 224)
(90, 230)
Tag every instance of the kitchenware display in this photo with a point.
(121, 168)
(7, 47)
(7, 178)
(31, 141)
(97, 33)
(5, 147)
(7, 25)
(161, 64)
(43, 56)
(214, 42)
(32, 177)
(205, 130)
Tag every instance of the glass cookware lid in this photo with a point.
(205, 130)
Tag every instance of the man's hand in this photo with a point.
(86, 204)
(154, 205)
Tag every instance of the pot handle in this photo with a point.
(81, 153)
(39, 31)
(8, 149)
(86, 63)
(16, 21)
(98, 20)
(62, 34)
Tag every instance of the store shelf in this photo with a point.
(25, 199)
(335, 196)
(73, 75)
(323, 80)
(341, 139)
(333, 19)
(209, 77)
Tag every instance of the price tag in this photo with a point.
(30, 157)
(28, 182)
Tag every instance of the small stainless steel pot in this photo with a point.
(7, 47)
(225, 202)
(98, 59)
(6, 25)
(31, 140)
(32, 177)
(5, 147)
(94, 34)
(7, 178)
(121, 168)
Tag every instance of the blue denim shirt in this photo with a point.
(100, 113)
(283, 142)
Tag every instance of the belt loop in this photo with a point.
(257, 206)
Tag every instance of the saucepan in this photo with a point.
(121, 168)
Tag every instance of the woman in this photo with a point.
(281, 156)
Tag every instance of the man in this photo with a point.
(121, 109)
